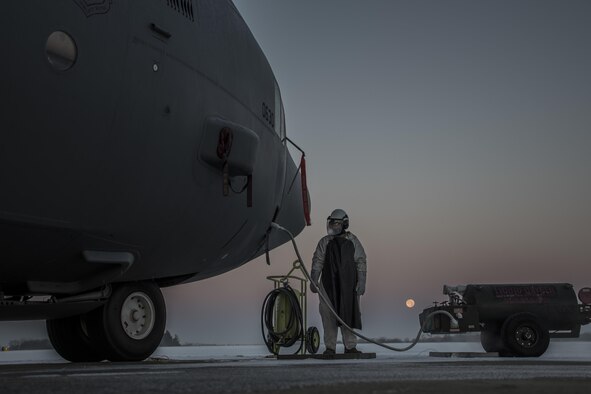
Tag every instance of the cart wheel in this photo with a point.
(312, 340)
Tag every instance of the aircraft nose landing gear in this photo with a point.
(128, 327)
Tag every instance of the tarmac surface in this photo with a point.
(388, 373)
(268, 376)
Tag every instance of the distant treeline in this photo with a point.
(169, 340)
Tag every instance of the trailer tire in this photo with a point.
(490, 338)
(524, 335)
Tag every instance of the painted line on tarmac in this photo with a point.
(95, 374)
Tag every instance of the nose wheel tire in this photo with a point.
(69, 337)
(130, 326)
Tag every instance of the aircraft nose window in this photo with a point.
(61, 50)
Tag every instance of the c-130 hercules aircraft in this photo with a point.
(142, 145)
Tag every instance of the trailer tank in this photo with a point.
(513, 319)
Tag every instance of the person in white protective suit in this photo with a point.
(340, 264)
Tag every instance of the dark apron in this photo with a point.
(339, 278)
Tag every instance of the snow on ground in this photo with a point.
(558, 351)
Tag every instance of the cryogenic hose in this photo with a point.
(294, 326)
(324, 297)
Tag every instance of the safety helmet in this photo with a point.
(337, 222)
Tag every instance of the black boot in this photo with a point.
(353, 350)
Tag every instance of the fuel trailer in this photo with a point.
(513, 319)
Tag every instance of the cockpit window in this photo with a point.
(61, 50)
(279, 122)
(282, 132)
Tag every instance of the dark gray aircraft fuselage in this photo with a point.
(110, 161)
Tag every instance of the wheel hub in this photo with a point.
(138, 315)
(526, 337)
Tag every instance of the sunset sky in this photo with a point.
(456, 134)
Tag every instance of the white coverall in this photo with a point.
(329, 322)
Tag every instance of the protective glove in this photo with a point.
(315, 275)
(361, 277)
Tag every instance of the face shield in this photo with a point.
(334, 226)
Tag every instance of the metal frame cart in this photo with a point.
(284, 315)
